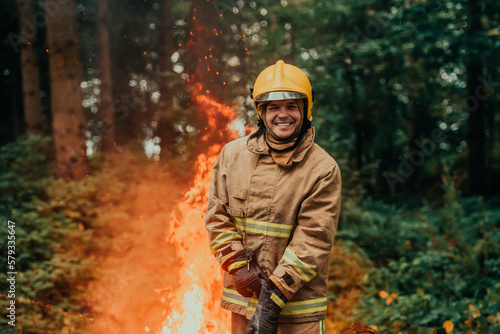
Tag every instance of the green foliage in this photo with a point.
(51, 242)
(24, 171)
(57, 233)
(387, 75)
(440, 264)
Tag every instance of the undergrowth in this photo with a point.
(434, 270)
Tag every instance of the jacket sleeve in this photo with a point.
(312, 240)
(224, 238)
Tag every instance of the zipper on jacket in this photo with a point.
(249, 258)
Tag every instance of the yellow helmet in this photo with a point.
(282, 82)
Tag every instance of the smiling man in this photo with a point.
(283, 118)
(272, 213)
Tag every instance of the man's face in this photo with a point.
(283, 117)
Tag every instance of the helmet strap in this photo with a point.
(260, 123)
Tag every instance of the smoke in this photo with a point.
(137, 260)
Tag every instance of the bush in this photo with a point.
(432, 266)
(53, 242)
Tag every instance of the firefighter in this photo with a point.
(272, 213)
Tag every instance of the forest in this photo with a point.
(114, 111)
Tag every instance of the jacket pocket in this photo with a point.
(239, 193)
(237, 200)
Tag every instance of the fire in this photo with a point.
(160, 276)
(194, 304)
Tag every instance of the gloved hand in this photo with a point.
(246, 278)
(265, 319)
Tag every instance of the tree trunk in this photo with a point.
(17, 116)
(475, 104)
(106, 115)
(30, 74)
(357, 117)
(68, 121)
(165, 116)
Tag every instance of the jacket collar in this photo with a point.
(257, 144)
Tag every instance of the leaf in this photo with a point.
(383, 294)
(448, 326)
(494, 318)
(474, 311)
(391, 298)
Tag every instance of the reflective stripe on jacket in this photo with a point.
(287, 216)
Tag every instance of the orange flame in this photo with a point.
(123, 296)
(194, 303)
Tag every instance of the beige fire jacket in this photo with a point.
(287, 216)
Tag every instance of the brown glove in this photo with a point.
(246, 278)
